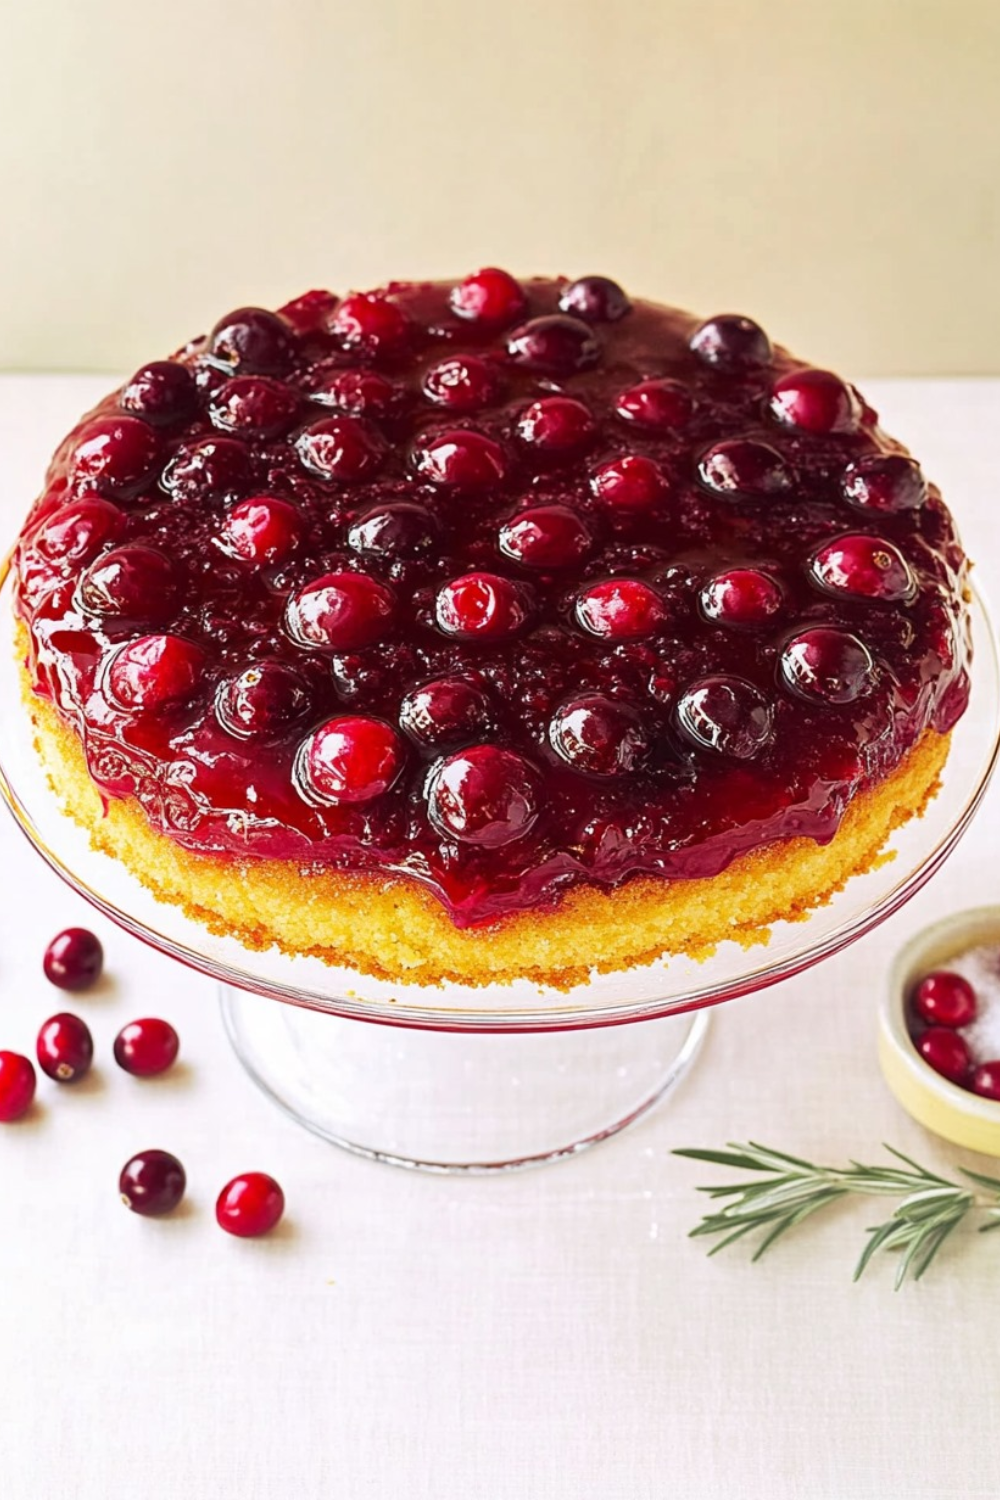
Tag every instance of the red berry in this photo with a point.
(596, 299)
(264, 700)
(986, 1080)
(131, 583)
(742, 469)
(461, 383)
(253, 406)
(146, 1048)
(212, 469)
(946, 1052)
(263, 530)
(252, 341)
(65, 1048)
(250, 1205)
(725, 714)
(344, 448)
(117, 456)
(17, 1086)
(632, 482)
(731, 344)
(154, 671)
(546, 536)
(600, 736)
(395, 531)
(370, 321)
(945, 999)
(554, 345)
(78, 532)
(162, 393)
(828, 664)
(74, 959)
(152, 1183)
(655, 405)
(350, 759)
(741, 597)
(480, 605)
(556, 425)
(447, 711)
(866, 566)
(815, 401)
(460, 459)
(357, 393)
(620, 609)
(884, 482)
(484, 796)
(340, 611)
(490, 296)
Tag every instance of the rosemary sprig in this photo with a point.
(788, 1190)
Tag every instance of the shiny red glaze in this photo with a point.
(461, 383)
(262, 530)
(250, 1205)
(74, 959)
(147, 1047)
(17, 1086)
(340, 610)
(620, 609)
(867, 566)
(460, 459)
(154, 671)
(350, 759)
(481, 606)
(546, 536)
(344, 448)
(945, 999)
(116, 456)
(632, 482)
(65, 1048)
(556, 425)
(741, 597)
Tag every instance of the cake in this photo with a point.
(467, 632)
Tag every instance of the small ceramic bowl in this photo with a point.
(954, 1113)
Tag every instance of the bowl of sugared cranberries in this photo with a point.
(939, 1029)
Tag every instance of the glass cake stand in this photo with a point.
(485, 1080)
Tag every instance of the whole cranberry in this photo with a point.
(460, 459)
(162, 393)
(146, 1048)
(884, 482)
(554, 345)
(489, 296)
(480, 605)
(741, 468)
(252, 341)
(352, 758)
(865, 566)
(344, 448)
(65, 1048)
(945, 999)
(725, 714)
(546, 536)
(152, 1183)
(357, 393)
(262, 530)
(250, 1205)
(946, 1052)
(78, 532)
(130, 583)
(985, 1080)
(655, 405)
(556, 425)
(741, 597)
(17, 1086)
(447, 711)
(828, 664)
(600, 736)
(156, 670)
(262, 701)
(309, 313)
(117, 456)
(484, 796)
(340, 611)
(596, 299)
(815, 401)
(731, 344)
(632, 482)
(253, 406)
(210, 469)
(462, 383)
(372, 322)
(74, 959)
(402, 530)
(620, 609)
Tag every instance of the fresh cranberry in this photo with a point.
(356, 393)
(731, 344)
(253, 406)
(309, 313)
(369, 321)
(866, 566)
(884, 482)
(250, 1205)
(117, 456)
(162, 393)
(632, 482)
(131, 583)
(65, 1048)
(460, 459)
(945, 999)
(596, 299)
(340, 611)
(556, 425)
(740, 468)
(725, 714)
(152, 1183)
(154, 671)
(554, 345)
(447, 711)
(344, 448)
(490, 296)
(350, 759)
(264, 700)
(263, 530)
(985, 1080)
(741, 596)
(461, 382)
(252, 341)
(147, 1047)
(815, 401)
(74, 959)
(17, 1086)
(600, 736)
(209, 469)
(828, 664)
(395, 531)
(480, 605)
(620, 609)
(655, 405)
(946, 1052)
(546, 536)
(78, 532)
(484, 796)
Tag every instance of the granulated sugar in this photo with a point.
(981, 967)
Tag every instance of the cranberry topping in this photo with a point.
(253, 406)
(17, 1086)
(481, 605)
(620, 609)
(213, 469)
(596, 299)
(600, 736)
(117, 456)
(556, 425)
(828, 664)
(357, 393)
(152, 1183)
(395, 531)
(554, 345)
(725, 714)
(946, 1052)
(74, 959)
(350, 759)
(945, 999)
(249, 1206)
(371, 322)
(740, 468)
(867, 566)
(65, 1048)
(484, 796)
(146, 1048)
(132, 583)
(344, 448)
(162, 393)
(633, 482)
(884, 482)
(262, 530)
(340, 611)
(80, 531)
(655, 405)
(252, 341)
(264, 700)
(815, 401)
(741, 596)
(985, 1080)
(546, 536)
(460, 459)
(732, 344)
(154, 671)
(449, 711)
(490, 297)
(461, 383)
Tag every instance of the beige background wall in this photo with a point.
(832, 166)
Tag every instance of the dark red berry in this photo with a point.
(350, 759)
(133, 583)
(828, 664)
(211, 469)
(985, 1080)
(370, 321)
(395, 531)
(741, 468)
(253, 406)
(946, 1052)
(65, 1048)
(78, 532)
(655, 405)
(554, 345)
(74, 959)
(356, 393)
(250, 1205)
(491, 297)
(546, 536)
(344, 448)
(866, 566)
(17, 1086)
(460, 459)
(340, 611)
(815, 401)
(262, 530)
(147, 1047)
(252, 341)
(596, 299)
(117, 456)
(449, 711)
(481, 605)
(731, 344)
(152, 1183)
(162, 393)
(154, 671)
(462, 383)
(741, 597)
(265, 700)
(945, 999)
(884, 482)
(600, 736)
(484, 796)
(556, 425)
(620, 609)
(725, 714)
(632, 482)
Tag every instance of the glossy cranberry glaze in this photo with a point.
(500, 585)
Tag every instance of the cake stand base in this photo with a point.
(457, 1101)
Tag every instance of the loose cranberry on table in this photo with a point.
(945, 999)
(946, 1052)
(17, 1086)
(152, 1183)
(147, 1047)
(65, 1048)
(250, 1205)
(74, 959)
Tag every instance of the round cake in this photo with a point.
(490, 630)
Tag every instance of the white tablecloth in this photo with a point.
(548, 1336)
